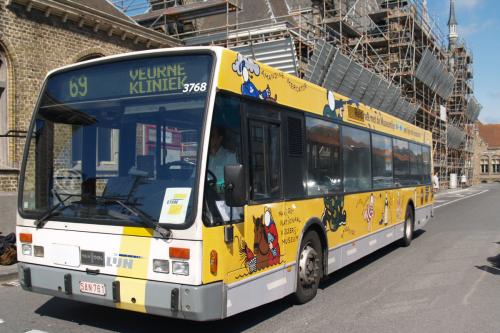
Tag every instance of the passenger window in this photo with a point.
(357, 163)
(265, 160)
(416, 164)
(401, 163)
(382, 161)
(224, 149)
(426, 156)
(323, 155)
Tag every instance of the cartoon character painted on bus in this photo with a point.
(385, 216)
(369, 211)
(245, 68)
(272, 238)
(266, 249)
(334, 108)
(334, 214)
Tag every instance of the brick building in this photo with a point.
(37, 36)
(487, 153)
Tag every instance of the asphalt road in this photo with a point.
(448, 280)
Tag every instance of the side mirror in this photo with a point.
(234, 185)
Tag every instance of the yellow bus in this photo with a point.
(196, 183)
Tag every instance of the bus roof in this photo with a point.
(249, 77)
(265, 82)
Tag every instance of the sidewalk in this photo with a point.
(8, 272)
(454, 190)
(8, 208)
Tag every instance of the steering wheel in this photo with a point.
(213, 181)
(181, 163)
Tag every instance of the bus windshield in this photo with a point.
(116, 138)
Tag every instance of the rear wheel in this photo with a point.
(408, 228)
(309, 268)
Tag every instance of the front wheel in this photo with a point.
(309, 268)
(408, 228)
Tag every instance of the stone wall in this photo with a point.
(35, 44)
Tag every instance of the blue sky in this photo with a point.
(479, 25)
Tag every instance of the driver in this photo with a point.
(218, 155)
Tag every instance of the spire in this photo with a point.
(452, 27)
(453, 19)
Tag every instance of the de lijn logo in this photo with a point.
(120, 260)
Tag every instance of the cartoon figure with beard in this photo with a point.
(272, 238)
(244, 67)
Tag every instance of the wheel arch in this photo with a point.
(411, 204)
(314, 224)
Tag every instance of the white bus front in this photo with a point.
(108, 187)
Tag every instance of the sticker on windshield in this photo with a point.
(175, 204)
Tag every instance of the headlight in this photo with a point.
(161, 266)
(38, 251)
(27, 249)
(180, 268)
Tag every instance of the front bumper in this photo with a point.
(200, 303)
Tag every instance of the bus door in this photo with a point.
(264, 214)
(258, 238)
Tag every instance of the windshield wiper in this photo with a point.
(144, 218)
(40, 222)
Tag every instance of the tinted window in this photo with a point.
(416, 164)
(323, 151)
(401, 162)
(426, 156)
(357, 164)
(224, 149)
(265, 162)
(381, 161)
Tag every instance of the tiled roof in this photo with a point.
(490, 133)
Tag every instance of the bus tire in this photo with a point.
(309, 268)
(408, 227)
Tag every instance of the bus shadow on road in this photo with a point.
(105, 318)
(359, 264)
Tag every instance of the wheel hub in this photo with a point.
(308, 266)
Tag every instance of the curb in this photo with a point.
(8, 272)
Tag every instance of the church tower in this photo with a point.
(452, 27)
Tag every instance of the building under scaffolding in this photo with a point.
(388, 54)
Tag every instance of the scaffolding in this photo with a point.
(388, 54)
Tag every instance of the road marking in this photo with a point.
(36, 331)
(470, 196)
(2, 321)
(465, 300)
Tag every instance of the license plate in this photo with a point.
(92, 288)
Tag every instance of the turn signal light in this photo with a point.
(178, 252)
(26, 238)
(213, 262)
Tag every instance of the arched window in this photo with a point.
(3, 109)
(484, 165)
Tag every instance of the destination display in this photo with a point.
(185, 74)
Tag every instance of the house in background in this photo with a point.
(487, 153)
